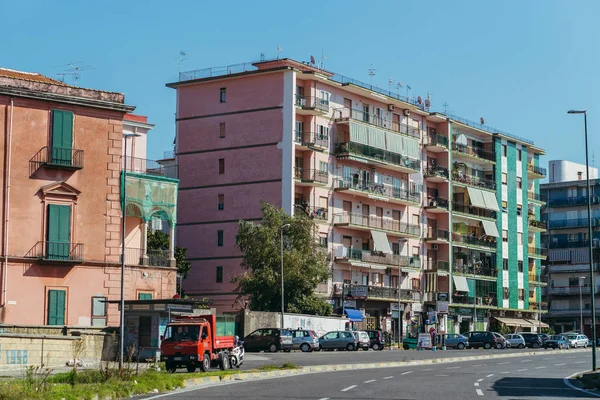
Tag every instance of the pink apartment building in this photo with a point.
(371, 167)
(62, 169)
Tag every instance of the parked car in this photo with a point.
(478, 339)
(338, 340)
(557, 342)
(364, 341)
(501, 342)
(577, 341)
(305, 340)
(544, 337)
(516, 340)
(377, 340)
(269, 339)
(456, 341)
(532, 340)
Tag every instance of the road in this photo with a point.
(525, 377)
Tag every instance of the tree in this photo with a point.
(305, 263)
(160, 241)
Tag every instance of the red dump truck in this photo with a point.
(192, 342)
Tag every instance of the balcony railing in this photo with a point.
(471, 269)
(312, 103)
(536, 170)
(155, 257)
(311, 175)
(57, 251)
(472, 210)
(489, 300)
(433, 201)
(537, 278)
(150, 167)
(318, 213)
(569, 290)
(534, 223)
(381, 190)
(571, 244)
(473, 180)
(436, 171)
(312, 139)
(477, 152)
(433, 139)
(573, 201)
(536, 196)
(440, 266)
(57, 157)
(351, 148)
(569, 311)
(437, 234)
(381, 292)
(485, 241)
(572, 223)
(369, 221)
(374, 119)
(376, 257)
(537, 251)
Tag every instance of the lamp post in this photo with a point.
(281, 229)
(590, 237)
(124, 216)
(581, 278)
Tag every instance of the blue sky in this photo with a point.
(519, 64)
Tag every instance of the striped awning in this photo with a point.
(476, 197)
(380, 242)
(490, 228)
(523, 323)
(490, 200)
(460, 284)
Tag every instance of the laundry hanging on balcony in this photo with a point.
(490, 228)
(380, 242)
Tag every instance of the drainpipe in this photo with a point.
(7, 206)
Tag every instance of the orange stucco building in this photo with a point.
(61, 172)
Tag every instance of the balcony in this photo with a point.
(571, 223)
(469, 210)
(311, 177)
(536, 198)
(480, 301)
(344, 254)
(569, 290)
(310, 105)
(536, 225)
(312, 140)
(60, 252)
(572, 244)
(56, 158)
(154, 258)
(319, 214)
(569, 312)
(439, 266)
(474, 153)
(537, 252)
(437, 236)
(379, 191)
(436, 143)
(436, 174)
(470, 180)
(479, 271)
(368, 222)
(573, 201)
(343, 115)
(536, 279)
(436, 204)
(486, 242)
(381, 293)
(535, 172)
(535, 305)
(377, 157)
(151, 167)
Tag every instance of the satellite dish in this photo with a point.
(482, 121)
(462, 140)
(427, 103)
(312, 60)
(419, 100)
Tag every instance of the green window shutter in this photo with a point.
(59, 232)
(145, 296)
(56, 307)
(62, 137)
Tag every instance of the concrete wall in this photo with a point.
(564, 171)
(258, 319)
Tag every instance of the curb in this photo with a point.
(347, 367)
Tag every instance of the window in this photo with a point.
(415, 251)
(145, 332)
(505, 293)
(520, 266)
(219, 274)
(520, 238)
(323, 166)
(504, 150)
(323, 241)
(519, 154)
(221, 166)
(222, 130)
(574, 281)
(519, 210)
(415, 219)
(223, 95)
(573, 237)
(416, 283)
(504, 235)
(98, 311)
(504, 178)
(58, 232)
(323, 132)
(579, 175)
(220, 238)
(57, 303)
(221, 202)
(396, 248)
(519, 182)
(145, 296)
(62, 137)
(521, 294)
(504, 206)
(505, 264)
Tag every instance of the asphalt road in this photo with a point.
(526, 377)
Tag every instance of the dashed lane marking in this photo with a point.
(489, 376)
(479, 380)
(428, 369)
(478, 365)
(505, 372)
(540, 367)
(479, 392)
(526, 361)
(441, 375)
(370, 381)
(579, 362)
(476, 384)
(387, 377)
(406, 373)
(502, 363)
(452, 367)
(558, 365)
(348, 388)
(521, 370)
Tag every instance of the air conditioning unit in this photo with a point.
(388, 271)
(435, 246)
(407, 112)
(391, 107)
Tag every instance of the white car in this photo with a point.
(516, 341)
(364, 340)
(577, 340)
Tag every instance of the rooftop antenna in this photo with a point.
(445, 105)
(371, 75)
(312, 60)
(323, 58)
(75, 69)
(262, 57)
(62, 75)
(279, 50)
(398, 87)
(390, 84)
(181, 58)
(408, 89)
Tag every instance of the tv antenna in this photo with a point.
(262, 57)
(323, 58)
(312, 60)
(408, 89)
(371, 75)
(181, 58)
(279, 50)
(390, 84)
(445, 105)
(74, 69)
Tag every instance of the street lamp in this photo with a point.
(124, 217)
(581, 278)
(283, 227)
(590, 237)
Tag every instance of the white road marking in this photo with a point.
(551, 358)
(406, 373)
(558, 365)
(540, 367)
(489, 376)
(569, 384)
(441, 375)
(579, 362)
(569, 358)
(324, 398)
(348, 388)
(502, 363)
(452, 367)
(526, 361)
(372, 380)
(428, 369)
(479, 392)
(478, 365)
(476, 384)
(479, 380)
(505, 372)
(388, 377)
(521, 370)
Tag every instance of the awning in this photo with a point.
(476, 198)
(380, 242)
(353, 314)
(460, 284)
(538, 323)
(461, 228)
(490, 228)
(523, 323)
(490, 200)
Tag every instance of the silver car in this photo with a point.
(305, 340)
(338, 340)
(516, 341)
(578, 340)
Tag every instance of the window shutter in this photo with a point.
(145, 296)
(59, 232)
(56, 307)
(62, 137)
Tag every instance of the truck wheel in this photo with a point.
(171, 367)
(191, 367)
(205, 366)
(224, 361)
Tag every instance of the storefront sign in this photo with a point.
(358, 292)
(417, 307)
(432, 317)
(424, 341)
(442, 296)
(140, 306)
(179, 307)
(394, 306)
(394, 314)
(442, 307)
(350, 303)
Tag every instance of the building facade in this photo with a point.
(407, 201)
(62, 187)
(568, 265)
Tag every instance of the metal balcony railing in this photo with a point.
(471, 269)
(536, 196)
(474, 151)
(57, 251)
(537, 224)
(376, 120)
(437, 234)
(150, 167)
(381, 190)
(381, 292)
(572, 223)
(440, 266)
(472, 210)
(573, 201)
(312, 139)
(57, 157)
(569, 290)
(536, 170)
(485, 241)
(319, 213)
(433, 139)
(312, 103)
(156, 257)
(370, 221)
(489, 300)
(434, 201)
(311, 175)
(538, 251)
(351, 148)
(436, 171)
(376, 257)
(473, 180)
